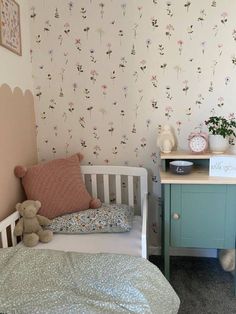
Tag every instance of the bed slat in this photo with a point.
(4, 238)
(94, 185)
(131, 190)
(13, 237)
(118, 189)
(106, 188)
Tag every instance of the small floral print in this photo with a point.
(148, 43)
(178, 125)
(143, 65)
(187, 5)
(78, 44)
(124, 139)
(203, 46)
(109, 50)
(169, 30)
(67, 28)
(186, 87)
(202, 16)
(154, 22)
(135, 29)
(168, 93)
(33, 13)
(154, 104)
(180, 44)
(233, 59)
(168, 9)
(83, 12)
(104, 89)
(189, 112)
(215, 29)
(123, 63)
(70, 6)
(92, 57)
(199, 100)
(168, 112)
(123, 8)
(190, 31)
(93, 76)
(224, 17)
(140, 11)
(86, 30)
(125, 91)
(213, 4)
(220, 102)
(220, 49)
(102, 5)
(154, 80)
(227, 80)
(161, 50)
(234, 34)
(111, 128)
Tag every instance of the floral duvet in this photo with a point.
(47, 281)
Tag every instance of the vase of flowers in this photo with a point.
(220, 130)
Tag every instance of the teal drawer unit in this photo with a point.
(199, 211)
(202, 216)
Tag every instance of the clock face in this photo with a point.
(198, 144)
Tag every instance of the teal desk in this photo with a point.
(199, 211)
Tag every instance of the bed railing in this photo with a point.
(118, 172)
(113, 178)
(7, 230)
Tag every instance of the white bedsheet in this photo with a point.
(120, 243)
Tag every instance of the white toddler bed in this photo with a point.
(102, 182)
(52, 281)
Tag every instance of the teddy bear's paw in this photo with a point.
(30, 239)
(45, 236)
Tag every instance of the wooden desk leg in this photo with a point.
(166, 231)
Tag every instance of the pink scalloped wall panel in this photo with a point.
(17, 142)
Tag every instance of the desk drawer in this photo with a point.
(203, 216)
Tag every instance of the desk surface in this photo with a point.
(189, 155)
(197, 176)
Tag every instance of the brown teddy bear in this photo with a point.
(30, 224)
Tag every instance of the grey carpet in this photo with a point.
(201, 284)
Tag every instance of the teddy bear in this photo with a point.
(227, 260)
(30, 224)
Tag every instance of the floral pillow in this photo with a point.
(107, 218)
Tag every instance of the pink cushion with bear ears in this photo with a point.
(58, 185)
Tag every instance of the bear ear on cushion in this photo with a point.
(95, 203)
(59, 186)
(20, 171)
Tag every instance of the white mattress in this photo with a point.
(120, 243)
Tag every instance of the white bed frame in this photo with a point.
(90, 176)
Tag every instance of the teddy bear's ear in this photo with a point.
(80, 156)
(37, 204)
(20, 171)
(18, 206)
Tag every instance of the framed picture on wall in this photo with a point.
(10, 32)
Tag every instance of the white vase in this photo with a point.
(218, 144)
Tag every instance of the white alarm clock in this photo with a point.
(198, 142)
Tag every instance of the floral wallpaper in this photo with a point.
(109, 73)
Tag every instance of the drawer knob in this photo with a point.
(176, 216)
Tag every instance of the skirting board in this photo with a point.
(153, 250)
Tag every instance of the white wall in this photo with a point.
(107, 73)
(17, 70)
